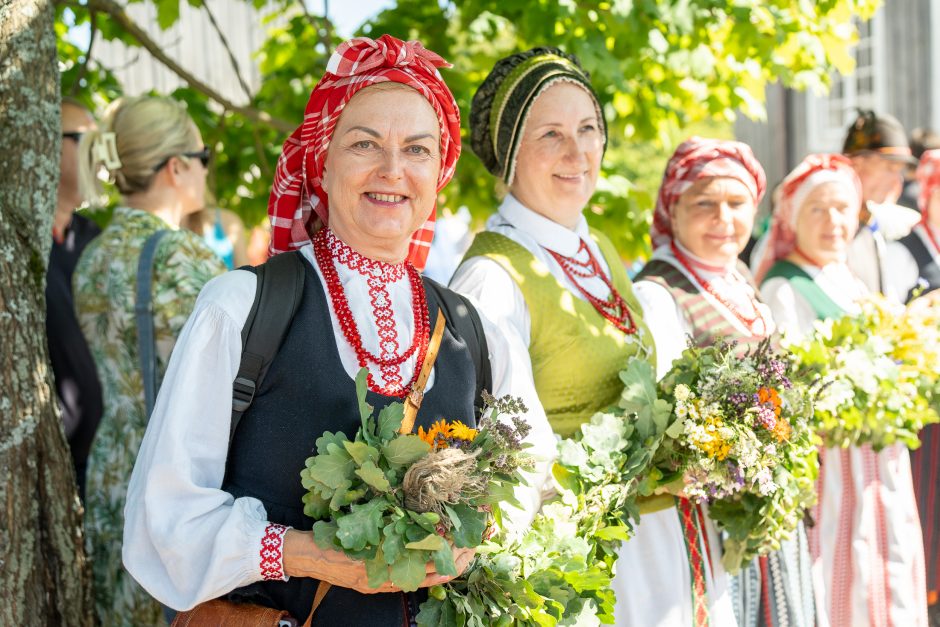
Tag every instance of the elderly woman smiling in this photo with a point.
(360, 179)
(699, 290)
(866, 544)
(557, 288)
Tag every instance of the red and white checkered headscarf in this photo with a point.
(813, 171)
(928, 177)
(698, 158)
(297, 196)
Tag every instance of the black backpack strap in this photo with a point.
(466, 321)
(143, 312)
(279, 291)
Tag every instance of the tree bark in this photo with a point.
(43, 571)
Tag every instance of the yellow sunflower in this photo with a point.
(462, 432)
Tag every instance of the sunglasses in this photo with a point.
(203, 155)
(75, 136)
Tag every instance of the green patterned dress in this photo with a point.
(104, 285)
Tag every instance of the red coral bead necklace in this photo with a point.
(614, 309)
(329, 250)
(750, 322)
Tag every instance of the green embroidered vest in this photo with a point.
(576, 353)
(707, 322)
(806, 287)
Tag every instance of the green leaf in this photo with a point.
(168, 12)
(393, 545)
(390, 420)
(315, 506)
(341, 495)
(675, 429)
(377, 570)
(452, 515)
(409, 570)
(639, 386)
(324, 441)
(332, 469)
(361, 526)
(373, 475)
(365, 409)
(444, 561)
(431, 542)
(361, 452)
(567, 479)
(429, 614)
(428, 520)
(324, 534)
(572, 454)
(473, 524)
(405, 450)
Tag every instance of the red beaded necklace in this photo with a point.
(748, 321)
(330, 250)
(614, 309)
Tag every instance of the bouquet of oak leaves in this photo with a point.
(558, 571)
(398, 501)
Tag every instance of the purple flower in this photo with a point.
(739, 398)
(737, 475)
(774, 369)
(765, 416)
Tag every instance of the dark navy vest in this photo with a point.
(927, 267)
(306, 392)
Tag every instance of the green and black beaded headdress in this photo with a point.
(502, 103)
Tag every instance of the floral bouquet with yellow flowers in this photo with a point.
(877, 374)
(398, 501)
(741, 442)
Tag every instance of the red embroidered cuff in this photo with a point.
(272, 553)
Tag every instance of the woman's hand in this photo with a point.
(303, 558)
(676, 487)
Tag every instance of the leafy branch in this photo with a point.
(117, 12)
(228, 49)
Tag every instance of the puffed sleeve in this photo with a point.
(662, 316)
(185, 539)
(506, 323)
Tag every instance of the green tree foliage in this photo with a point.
(659, 66)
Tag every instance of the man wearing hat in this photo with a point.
(879, 150)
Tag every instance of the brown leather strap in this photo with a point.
(413, 401)
(322, 588)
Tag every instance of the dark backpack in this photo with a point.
(277, 297)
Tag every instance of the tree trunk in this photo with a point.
(43, 571)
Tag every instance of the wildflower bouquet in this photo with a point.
(742, 443)
(559, 571)
(399, 501)
(877, 374)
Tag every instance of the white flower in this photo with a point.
(765, 482)
(858, 365)
(682, 392)
(839, 393)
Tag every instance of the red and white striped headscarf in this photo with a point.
(297, 196)
(813, 171)
(928, 177)
(698, 158)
